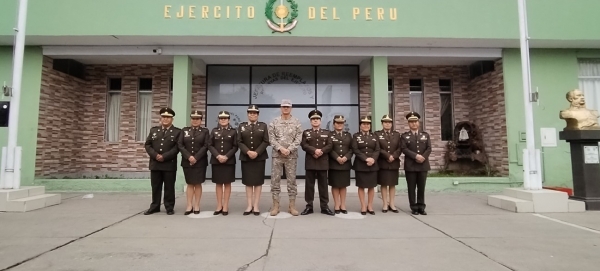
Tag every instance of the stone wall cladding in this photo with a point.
(58, 133)
(488, 112)
(82, 124)
(73, 112)
(480, 101)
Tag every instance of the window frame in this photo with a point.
(137, 110)
(453, 119)
(107, 107)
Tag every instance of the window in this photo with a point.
(589, 82)
(446, 109)
(144, 108)
(113, 110)
(170, 102)
(416, 99)
(391, 99)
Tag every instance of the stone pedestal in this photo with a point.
(586, 170)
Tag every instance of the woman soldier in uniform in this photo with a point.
(366, 151)
(223, 146)
(253, 140)
(388, 163)
(193, 144)
(340, 163)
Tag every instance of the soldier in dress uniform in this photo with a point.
(388, 162)
(316, 143)
(161, 146)
(340, 163)
(193, 145)
(285, 134)
(253, 140)
(366, 151)
(416, 146)
(223, 146)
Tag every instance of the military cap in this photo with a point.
(413, 116)
(339, 118)
(224, 115)
(196, 114)
(366, 119)
(315, 114)
(286, 102)
(166, 112)
(386, 117)
(253, 108)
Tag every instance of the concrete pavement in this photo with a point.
(461, 232)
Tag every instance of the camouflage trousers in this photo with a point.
(290, 172)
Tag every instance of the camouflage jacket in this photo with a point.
(285, 134)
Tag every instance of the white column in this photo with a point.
(11, 166)
(532, 174)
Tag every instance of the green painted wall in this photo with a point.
(5, 76)
(469, 19)
(553, 73)
(29, 110)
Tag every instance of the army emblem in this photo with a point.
(286, 20)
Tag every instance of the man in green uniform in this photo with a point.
(161, 146)
(416, 146)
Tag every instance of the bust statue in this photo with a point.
(577, 116)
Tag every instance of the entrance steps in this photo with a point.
(519, 200)
(26, 198)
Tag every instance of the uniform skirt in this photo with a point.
(253, 173)
(194, 175)
(223, 173)
(339, 178)
(387, 177)
(366, 179)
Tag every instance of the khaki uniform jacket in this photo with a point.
(389, 145)
(285, 134)
(164, 142)
(223, 141)
(413, 145)
(194, 142)
(253, 138)
(341, 147)
(363, 148)
(313, 140)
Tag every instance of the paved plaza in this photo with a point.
(461, 232)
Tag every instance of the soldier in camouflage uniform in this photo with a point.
(285, 134)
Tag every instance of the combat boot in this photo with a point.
(275, 208)
(292, 208)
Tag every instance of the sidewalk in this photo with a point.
(460, 233)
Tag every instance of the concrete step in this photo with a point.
(533, 195)
(7, 195)
(544, 200)
(32, 203)
(576, 206)
(511, 204)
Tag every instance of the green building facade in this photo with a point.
(96, 73)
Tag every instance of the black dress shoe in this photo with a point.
(256, 213)
(414, 212)
(197, 212)
(384, 210)
(371, 212)
(225, 212)
(170, 212)
(308, 211)
(336, 211)
(393, 210)
(218, 212)
(343, 211)
(149, 212)
(188, 212)
(363, 213)
(327, 211)
(422, 212)
(247, 212)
